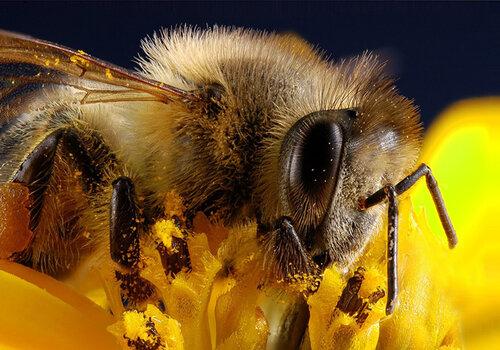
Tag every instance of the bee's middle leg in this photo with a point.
(126, 226)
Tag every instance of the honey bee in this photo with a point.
(246, 126)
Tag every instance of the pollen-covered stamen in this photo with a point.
(134, 289)
(171, 245)
(175, 258)
(140, 331)
(351, 303)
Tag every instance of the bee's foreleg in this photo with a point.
(283, 245)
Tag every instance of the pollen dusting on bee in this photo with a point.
(303, 282)
(50, 61)
(108, 74)
(80, 61)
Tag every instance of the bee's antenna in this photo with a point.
(390, 192)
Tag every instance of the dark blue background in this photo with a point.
(441, 52)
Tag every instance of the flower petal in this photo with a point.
(38, 310)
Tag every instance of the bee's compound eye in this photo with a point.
(314, 149)
(316, 158)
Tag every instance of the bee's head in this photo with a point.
(329, 159)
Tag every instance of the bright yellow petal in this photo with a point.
(463, 150)
(40, 312)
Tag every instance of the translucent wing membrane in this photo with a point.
(28, 65)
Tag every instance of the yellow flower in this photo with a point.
(463, 151)
(40, 312)
(424, 317)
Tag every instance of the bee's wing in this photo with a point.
(29, 65)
